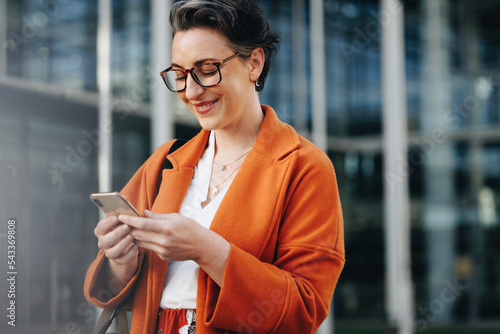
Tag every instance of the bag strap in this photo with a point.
(102, 322)
(106, 319)
(123, 322)
(167, 164)
(175, 146)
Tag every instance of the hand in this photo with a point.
(171, 236)
(115, 240)
(177, 238)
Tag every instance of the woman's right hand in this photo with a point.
(115, 241)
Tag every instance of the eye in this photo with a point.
(207, 70)
(179, 74)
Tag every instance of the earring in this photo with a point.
(257, 83)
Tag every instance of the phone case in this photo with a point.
(114, 204)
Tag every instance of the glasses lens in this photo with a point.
(207, 75)
(174, 79)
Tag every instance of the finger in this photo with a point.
(129, 255)
(154, 215)
(162, 252)
(105, 226)
(112, 238)
(159, 238)
(121, 248)
(144, 224)
(128, 246)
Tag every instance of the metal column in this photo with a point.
(162, 113)
(396, 195)
(438, 204)
(318, 97)
(104, 89)
(299, 73)
(3, 38)
(318, 77)
(104, 36)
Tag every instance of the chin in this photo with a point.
(210, 122)
(206, 125)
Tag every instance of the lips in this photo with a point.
(204, 107)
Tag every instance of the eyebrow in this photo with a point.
(199, 62)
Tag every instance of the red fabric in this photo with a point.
(172, 321)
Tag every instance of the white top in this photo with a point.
(181, 282)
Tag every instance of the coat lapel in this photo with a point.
(174, 185)
(248, 215)
(175, 181)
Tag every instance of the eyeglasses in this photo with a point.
(205, 75)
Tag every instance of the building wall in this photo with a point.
(48, 122)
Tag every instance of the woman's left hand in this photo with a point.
(177, 238)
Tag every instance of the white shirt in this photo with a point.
(181, 282)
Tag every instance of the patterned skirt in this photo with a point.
(171, 321)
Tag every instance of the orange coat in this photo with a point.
(283, 218)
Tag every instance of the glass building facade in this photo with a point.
(50, 136)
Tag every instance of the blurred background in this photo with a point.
(52, 139)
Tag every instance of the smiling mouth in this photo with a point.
(205, 107)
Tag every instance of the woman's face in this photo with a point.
(221, 106)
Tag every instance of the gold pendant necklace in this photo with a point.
(216, 190)
(224, 167)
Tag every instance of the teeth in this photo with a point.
(206, 106)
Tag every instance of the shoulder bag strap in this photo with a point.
(175, 146)
(106, 319)
(167, 164)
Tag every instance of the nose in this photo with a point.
(193, 89)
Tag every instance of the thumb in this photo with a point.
(149, 214)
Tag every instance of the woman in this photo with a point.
(243, 231)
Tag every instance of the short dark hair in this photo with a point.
(242, 22)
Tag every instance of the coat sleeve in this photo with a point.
(292, 294)
(141, 192)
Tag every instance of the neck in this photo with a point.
(233, 142)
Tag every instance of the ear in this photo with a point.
(256, 63)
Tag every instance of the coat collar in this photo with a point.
(275, 140)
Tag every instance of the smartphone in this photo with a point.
(114, 204)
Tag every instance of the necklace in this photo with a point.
(215, 191)
(224, 167)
